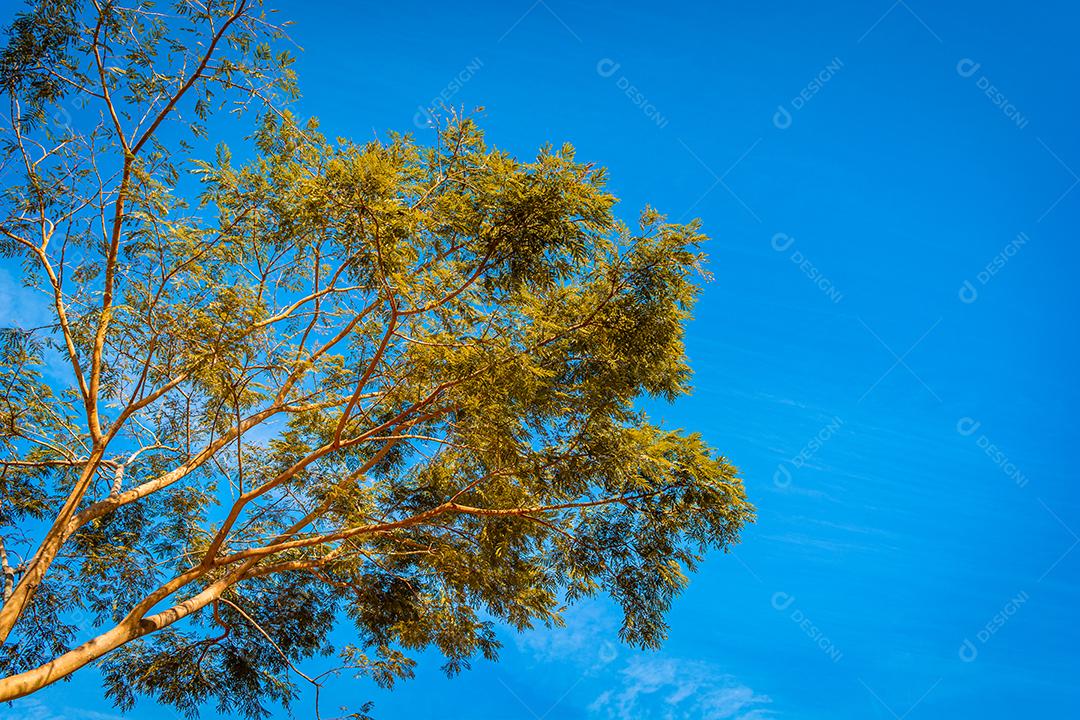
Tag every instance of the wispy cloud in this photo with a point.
(31, 709)
(674, 689)
(641, 685)
(590, 637)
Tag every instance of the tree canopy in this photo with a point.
(392, 384)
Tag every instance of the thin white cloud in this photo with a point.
(590, 638)
(643, 685)
(31, 709)
(655, 688)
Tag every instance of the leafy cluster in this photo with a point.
(391, 382)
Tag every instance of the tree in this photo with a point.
(390, 382)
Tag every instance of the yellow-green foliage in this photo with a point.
(395, 382)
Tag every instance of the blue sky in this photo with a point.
(886, 350)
